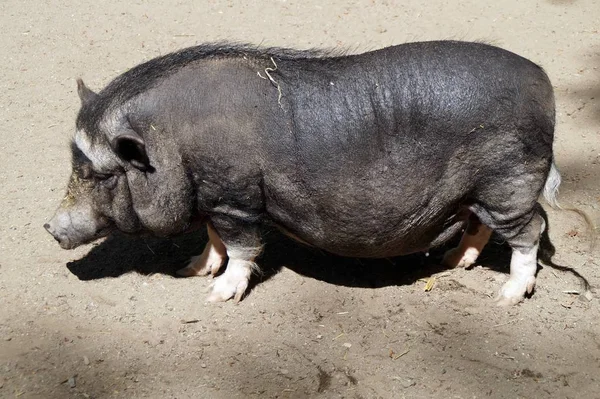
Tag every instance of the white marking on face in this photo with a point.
(103, 158)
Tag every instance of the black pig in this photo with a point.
(372, 155)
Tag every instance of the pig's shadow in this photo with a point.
(120, 254)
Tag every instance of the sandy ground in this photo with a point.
(110, 320)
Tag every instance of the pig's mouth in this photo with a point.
(66, 243)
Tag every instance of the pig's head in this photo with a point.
(121, 179)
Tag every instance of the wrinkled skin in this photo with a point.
(375, 155)
(98, 202)
(114, 193)
(95, 204)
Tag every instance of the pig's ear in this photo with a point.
(85, 94)
(130, 147)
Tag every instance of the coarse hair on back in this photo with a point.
(144, 76)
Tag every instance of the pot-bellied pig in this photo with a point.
(379, 154)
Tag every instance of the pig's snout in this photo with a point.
(59, 227)
(73, 227)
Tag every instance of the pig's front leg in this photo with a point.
(242, 244)
(211, 259)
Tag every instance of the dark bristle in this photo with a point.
(147, 74)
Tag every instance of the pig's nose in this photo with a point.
(58, 237)
(50, 230)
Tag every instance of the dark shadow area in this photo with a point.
(547, 249)
(120, 254)
(350, 272)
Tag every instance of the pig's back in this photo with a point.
(387, 145)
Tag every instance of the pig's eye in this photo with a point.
(106, 179)
(102, 176)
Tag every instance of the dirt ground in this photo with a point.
(109, 320)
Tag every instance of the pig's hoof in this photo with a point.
(201, 266)
(514, 290)
(232, 284)
(459, 258)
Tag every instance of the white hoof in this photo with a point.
(233, 283)
(514, 290)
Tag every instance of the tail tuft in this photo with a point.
(551, 188)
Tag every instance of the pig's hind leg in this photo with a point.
(242, 245)
(523, 262)
(516, 219)
(211, 259)
(471, 244)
